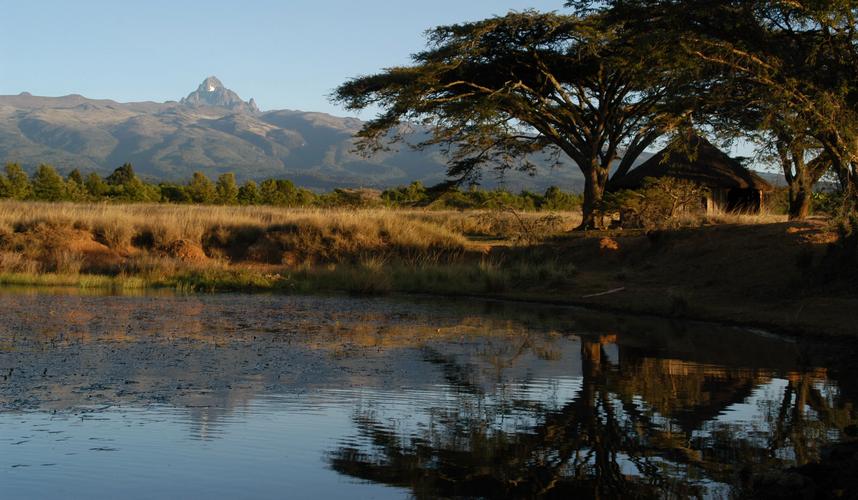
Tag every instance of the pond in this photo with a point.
(270, 396)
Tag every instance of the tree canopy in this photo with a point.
(496, 91)
(784, 69)
(603, 82)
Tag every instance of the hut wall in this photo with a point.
(717, 200)
(748, 201)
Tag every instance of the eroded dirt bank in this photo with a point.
(786, 277)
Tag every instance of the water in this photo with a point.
(263, 396)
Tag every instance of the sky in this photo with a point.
(287, 54)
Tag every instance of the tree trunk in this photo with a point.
(847, 174)
(800, 195)
(595, 179)
(800, 177)
(852, 193)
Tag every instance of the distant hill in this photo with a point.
(213, 130)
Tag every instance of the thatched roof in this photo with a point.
(708, 166)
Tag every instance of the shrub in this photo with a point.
(827, 202)
(63, 261)
(555, 199)
(511, 225)
(113, 233)
(657, 205)
(840, 263)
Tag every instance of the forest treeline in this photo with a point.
(123, 185)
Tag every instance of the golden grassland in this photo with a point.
(758, 269)
(263, 247)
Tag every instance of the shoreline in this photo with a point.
(755, 272)
(608, 303)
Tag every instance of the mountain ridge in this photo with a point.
(213, 130)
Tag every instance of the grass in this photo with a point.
(227, 248)
(765, 216)
(73, 280)
(230, 248)
(753, 269)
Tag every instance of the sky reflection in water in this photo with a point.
(230, 396)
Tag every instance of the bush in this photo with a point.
(777, 202)
(841, 261)
(555, 199)
(657, 205)
(414, 194)
(848, 228)
(827, 202)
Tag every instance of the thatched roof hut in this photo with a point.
(732, 187)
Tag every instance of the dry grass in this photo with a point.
(371, 250)
(741, 267)
(160, 241)
(501, 224)
(117, 222)
(120, 226)
(765, 216)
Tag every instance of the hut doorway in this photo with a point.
(744, 201)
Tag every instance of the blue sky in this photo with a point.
(286, 53)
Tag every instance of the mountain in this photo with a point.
(214, 131)
(212, 93)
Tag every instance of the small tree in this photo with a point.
(555, 199)
(138, 191)
(226, 190)
(75, 176)
(123, 184)
(201, 189)
(412, 194)
(277, 192)
(248, 194)
(48, 185)
(16, 183)
(122, 175)
(75, 189)
(305, 198)
(174, 193)
(96, 187)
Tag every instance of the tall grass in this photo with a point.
(333, 233)
(765, 216)
(118, 222)
(204, 246)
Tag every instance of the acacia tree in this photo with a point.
(497, 91)
(803, 162)
(799, 58)
(781, 137)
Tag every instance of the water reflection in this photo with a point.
(430, 398)
(635, 425)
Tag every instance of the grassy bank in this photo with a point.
(226, 248)
(752, 270)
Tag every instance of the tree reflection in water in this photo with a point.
(499, 402)
(639, 426)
